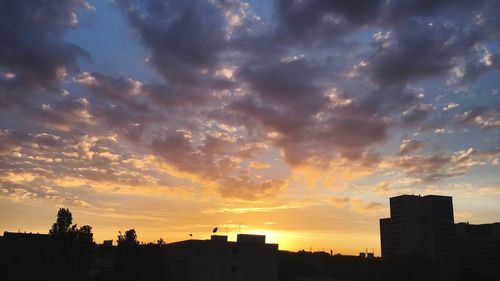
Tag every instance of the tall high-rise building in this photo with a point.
(420, 225)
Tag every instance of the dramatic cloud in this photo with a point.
(33, 55)
(416, 114)
(409, 146)
(486, 118)
(438, 167)
(185, 38)
(54, 157)
(243, 93)
(357, 205)
(215, 159)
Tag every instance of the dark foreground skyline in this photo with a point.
(420, 241)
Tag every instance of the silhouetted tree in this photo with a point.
(137, 261)
(63, 227)
(83, 234)
(129, 238)
(160, 242)
(63, 222)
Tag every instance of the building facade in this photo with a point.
(247, 259)
(478, 248)
(424, 225)
(420, 225)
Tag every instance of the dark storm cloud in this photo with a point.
(61, 114)
(120, 103)
(35, 60)
(316, 21)
(130, 107)
(289, 98)
(12, 91)
(348, 130)
(388, 99)
(318, 80)
(185, 39)
(475, 66)
(416, 114)
(398, 10)
(293, 83)
(427, 39)
(353, 133)
(287, 93)
(32, 51)
(172, 97)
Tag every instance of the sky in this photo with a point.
(293, 119)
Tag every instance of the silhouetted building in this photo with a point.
(247, 259)
(315, 279)
(320, 266)
(102, 261)
(27, 256)
(107, 243)
(479, 250)
(425, 226)
(420, 225)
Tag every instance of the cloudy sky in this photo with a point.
(294, 119)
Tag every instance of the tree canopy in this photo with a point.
(63, 227)
(63, 222)
(129, 238)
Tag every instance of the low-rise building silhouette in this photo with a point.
(478, 248)
(247, 259)
(102, 261)
(29, 256)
